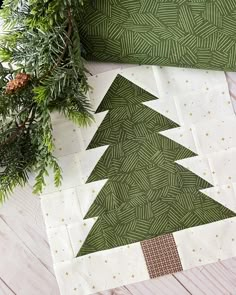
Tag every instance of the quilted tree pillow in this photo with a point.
(185, 33)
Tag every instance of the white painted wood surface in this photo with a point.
(26, 266)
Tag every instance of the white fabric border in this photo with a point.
(102, 270)
(186, 96)
(207, 243)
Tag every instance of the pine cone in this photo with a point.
(23, 77)
(18, 83)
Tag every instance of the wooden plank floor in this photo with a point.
(26, 265)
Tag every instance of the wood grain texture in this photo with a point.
(26, 265)
(5, 289)
(231, 78)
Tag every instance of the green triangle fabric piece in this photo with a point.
(127, 118)
(186, 33)
(147, 193)
(122, 94)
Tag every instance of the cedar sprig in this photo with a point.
(41, 71)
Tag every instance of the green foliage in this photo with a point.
(41, 39)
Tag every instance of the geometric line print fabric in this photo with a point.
(186, 33)
(147, 194)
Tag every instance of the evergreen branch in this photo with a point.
(66, 42)
(58, 62)
(20, 127)
(46, 73)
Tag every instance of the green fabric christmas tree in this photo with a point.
(146, 194)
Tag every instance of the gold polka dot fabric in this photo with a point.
(206, 97)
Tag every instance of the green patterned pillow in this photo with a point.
(186, 33)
